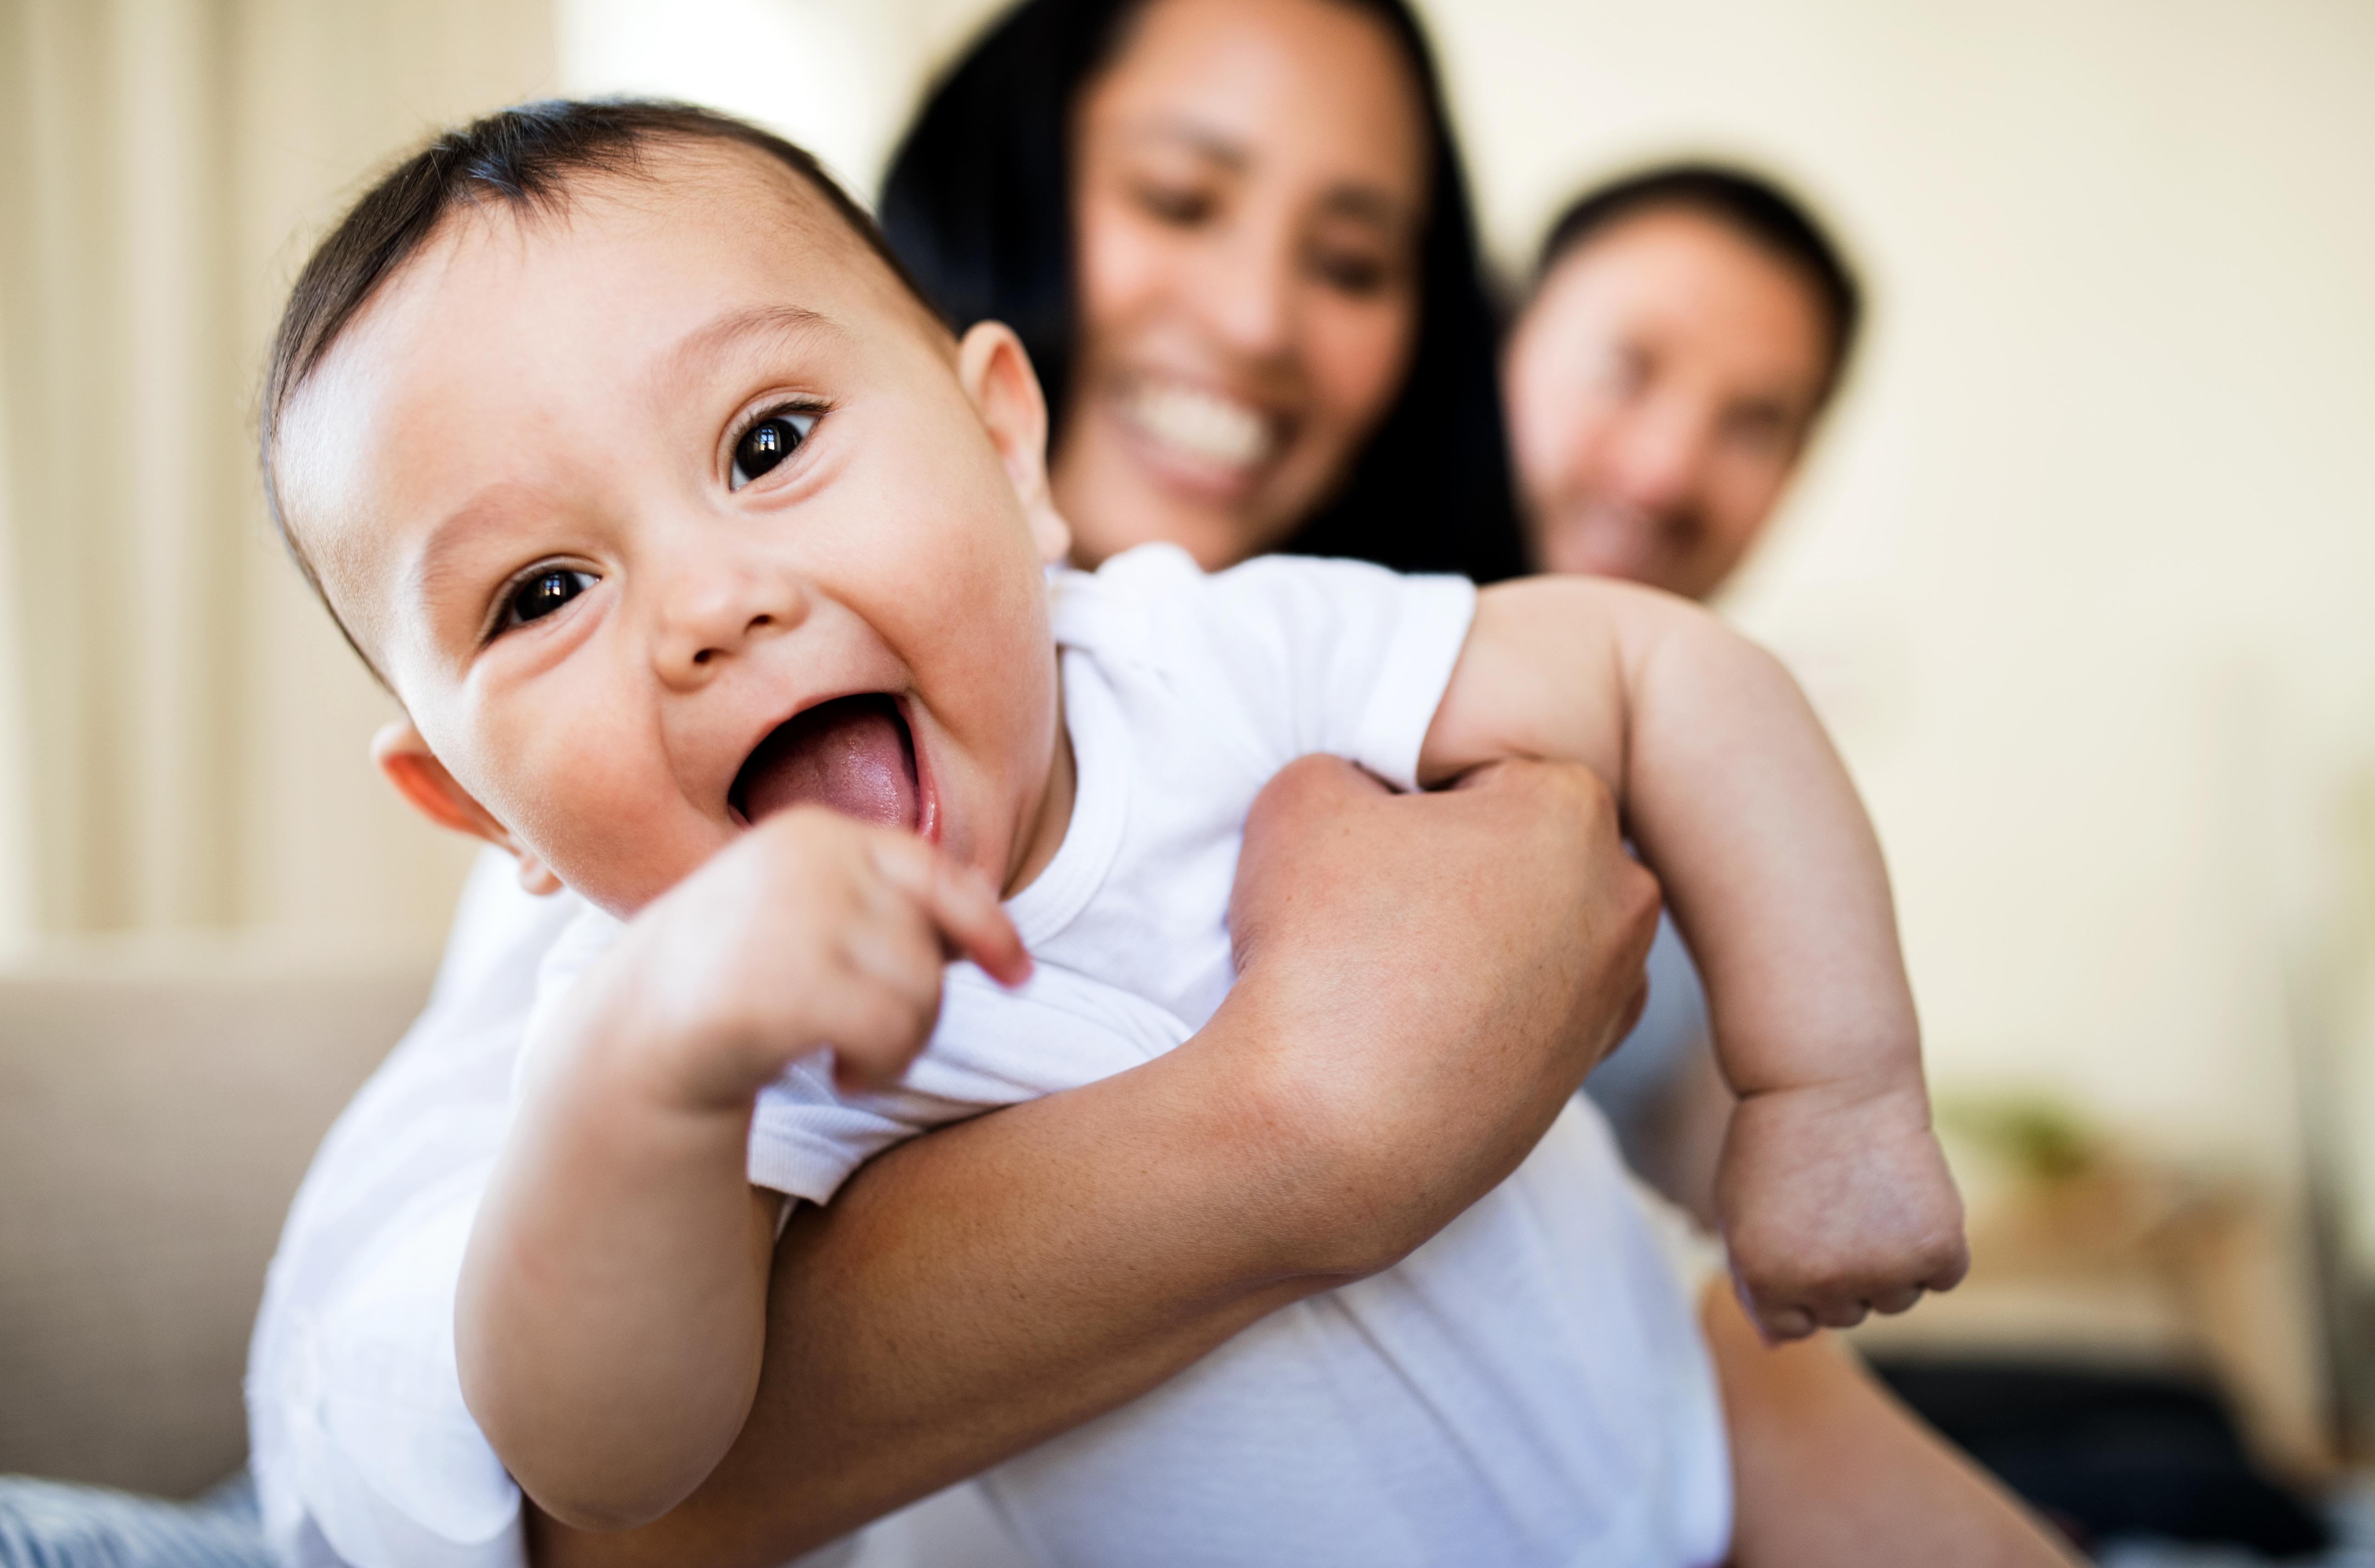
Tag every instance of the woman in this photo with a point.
(1251, 289)
(979, 1290)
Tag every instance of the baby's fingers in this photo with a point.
(875, 1030)
(1841, 1312)
(1895, 1301)
(959, 904)
(1777, 1323)
(1954, 1261)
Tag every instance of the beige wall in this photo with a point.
(183, 741)
(2082, 572)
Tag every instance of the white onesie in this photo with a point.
(1528, 1388)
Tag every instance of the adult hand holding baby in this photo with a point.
(1568, 975)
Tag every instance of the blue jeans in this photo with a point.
(54, 1524)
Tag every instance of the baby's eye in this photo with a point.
(767, 444)
(543, 593)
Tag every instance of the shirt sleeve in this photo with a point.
(1334, 656)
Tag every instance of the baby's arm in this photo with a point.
(613, 1310)
(1833, 1195)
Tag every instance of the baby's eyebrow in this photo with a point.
(438, 571)
(779, 322)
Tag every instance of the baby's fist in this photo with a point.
(811, 931)
(1835, 1203)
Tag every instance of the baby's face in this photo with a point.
(673, 509)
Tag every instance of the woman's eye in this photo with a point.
(767, 444)
(1176, 205)
(543, 593)
(1351, 274)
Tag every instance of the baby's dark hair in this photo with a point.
(526, 159)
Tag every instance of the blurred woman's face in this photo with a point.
(1660, 388)
(1250, 185)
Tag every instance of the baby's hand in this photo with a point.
(1835, 1202)
(813, 931)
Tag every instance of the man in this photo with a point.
(1686, 329)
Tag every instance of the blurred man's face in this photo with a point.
(1661, 388)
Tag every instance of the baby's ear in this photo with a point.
(996, 372)
(421, 779)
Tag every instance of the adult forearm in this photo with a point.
(1830, 1471)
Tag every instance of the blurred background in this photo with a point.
(2082, 573)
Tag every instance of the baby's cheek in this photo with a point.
(614, 830)
(622, 866)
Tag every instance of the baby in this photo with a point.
(721, 584)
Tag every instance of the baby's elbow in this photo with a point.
(597, 1470)
(603, 1500)
(590, 1516)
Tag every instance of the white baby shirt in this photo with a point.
(1528, 1386)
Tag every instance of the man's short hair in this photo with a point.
(524, 159)
(1750, 206)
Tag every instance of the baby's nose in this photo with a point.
(707, 619)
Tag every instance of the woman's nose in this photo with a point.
(1248, 293)
(709, 616)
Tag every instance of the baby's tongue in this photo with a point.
(850, 755)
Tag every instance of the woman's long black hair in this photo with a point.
(978, 204)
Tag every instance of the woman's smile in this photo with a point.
(1200, 440)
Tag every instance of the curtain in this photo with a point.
(181, 732)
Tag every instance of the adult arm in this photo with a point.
(1423, 982)
(1830, 1471)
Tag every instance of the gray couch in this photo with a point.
(156, 1115)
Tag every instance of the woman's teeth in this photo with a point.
(1199, 425)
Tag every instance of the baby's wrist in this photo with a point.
(636, 1046)
(1875, 1088)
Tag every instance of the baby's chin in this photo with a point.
(625, 886)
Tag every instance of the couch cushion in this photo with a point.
(155, 1119)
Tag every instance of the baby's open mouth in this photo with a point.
(852, 755)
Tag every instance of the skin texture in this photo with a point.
(1662, 386)
(619, 1266)
(1250, 187)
